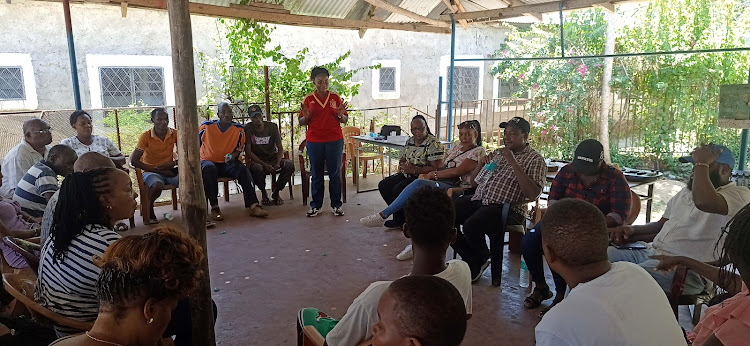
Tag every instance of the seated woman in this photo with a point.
(14, 222)
(84, 141)
(141, 281)
(462, 158)
(423, 153)
(727, 323)
(88, 206)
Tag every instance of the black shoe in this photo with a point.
(392, 224)
(476, 273)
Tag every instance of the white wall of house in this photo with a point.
(103, 37)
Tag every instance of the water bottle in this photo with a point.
(227, 158)
(485, 173)
(168, 216)
(523, 277)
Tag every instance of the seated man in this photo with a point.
(429, 222)
(420, 310)
(154, 154)
(691, 224)
(588, 178)
(222, 141)
(86, 162)
(265, 151)
(32, 149)
(609, 303)
(40, 182)
(515, 174)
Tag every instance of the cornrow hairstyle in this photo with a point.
(74, 116)
(430, 215)
(160, 264)
(317, 70)
(156, 111)
(78, 205)
(420, 116)
(733, 245)
(429, 309)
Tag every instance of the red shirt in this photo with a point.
(324, 125)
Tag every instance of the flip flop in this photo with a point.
(278, 201)
(152, 222)
(210, 224)
(265, 201)
(532, 303)
(121, 227)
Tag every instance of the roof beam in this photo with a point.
(607, 7)
(398, 10)
(535, 15)
(517, 11)
(454, 9)
(287, 19)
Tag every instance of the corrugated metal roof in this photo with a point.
(420, 7)
(324, 8)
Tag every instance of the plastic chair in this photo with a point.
(364, 156)
(676, 297)
(21, 287)
(311, 337)
(304, 163)
(25, 249)
(146, 196)
(273, 177)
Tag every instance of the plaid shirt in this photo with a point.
(503, 186)
(610, 192)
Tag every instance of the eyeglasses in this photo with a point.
(47, 130)
(415, 129)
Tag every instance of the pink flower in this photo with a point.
(538, 114)
(499, 78)
(552, 127)
(544, 132)
(521, 76)
(598, 65)
(489, 55)
(692, 43)
(582, 69)
(571, 62)
(570, 109)
(536, 86)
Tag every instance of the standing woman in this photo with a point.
(85, 141)
(323, 112)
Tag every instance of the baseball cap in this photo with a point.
(518, 122)
(588, 157)
(726, 157)
(254, 110)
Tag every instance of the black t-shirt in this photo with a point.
(263, 143)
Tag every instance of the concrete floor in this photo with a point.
(264, 270)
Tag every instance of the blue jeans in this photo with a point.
(236, 170)
(328, 155)
(151, 178)
(400, 201)
(531, 249)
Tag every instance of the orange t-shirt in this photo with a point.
(155, 150)
(324, 124)
(215, 143)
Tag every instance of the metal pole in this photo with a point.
(743, 144)
(72, 55)
(562, 33)
(438, 112)
(450, 79)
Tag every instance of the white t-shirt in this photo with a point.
(625, 306)
(355, 326)
(692, 232)
(16, 163)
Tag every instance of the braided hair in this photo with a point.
(78, 205)
(733, 246)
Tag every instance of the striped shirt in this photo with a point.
(68, 287)
(37, 181)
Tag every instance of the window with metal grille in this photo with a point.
(465, 83)
(507, 88)
(11, 83)
(125, 86)
(387, 79)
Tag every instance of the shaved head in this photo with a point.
(91, 160)
(575, 230)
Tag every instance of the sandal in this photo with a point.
(216, 214)
(153, 221)
(121, 227)
(532, 303)
(278, 201)
(210, 224)
(545, 310)
(265, 201)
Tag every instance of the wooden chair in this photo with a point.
(306, 174)
(273, 177)
(21, 287)
(146, 196)
(676, 297)
(311, 337)
(26, 249)
(364, 156)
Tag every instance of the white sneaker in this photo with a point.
(337, 211)
(374, 220)
(406, 254)
(313, 212)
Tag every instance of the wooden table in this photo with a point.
(649, 197)
(377, 142)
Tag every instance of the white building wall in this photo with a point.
(37, 28)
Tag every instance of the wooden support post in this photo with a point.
(124, 9)
(268, 94)
(192, 197)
